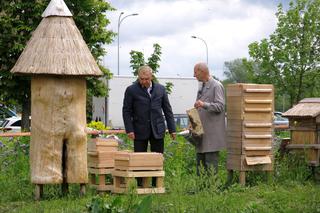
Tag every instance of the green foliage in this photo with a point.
(131, 204)
(289, 191)
(137, 60)
(19, 18)
(290, 57)
(240, 70)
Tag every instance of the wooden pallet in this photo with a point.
(122, 180)
(101, 173)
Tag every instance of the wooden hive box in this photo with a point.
(250, 126)
(138, 161)
(304, 122)
(101, 159)
(102, 145)
(101, 152)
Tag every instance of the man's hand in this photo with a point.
(173, 135)
(198, 104)
(131, 135)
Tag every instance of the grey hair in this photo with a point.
(203, 67)
(144, 69)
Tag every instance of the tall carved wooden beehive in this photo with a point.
(58, 59)
(250, 127)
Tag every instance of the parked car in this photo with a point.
(279, 121)
(5, 112)
(12, 124)
(181, 120)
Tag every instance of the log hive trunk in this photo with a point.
(58, 121)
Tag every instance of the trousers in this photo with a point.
(207, 160)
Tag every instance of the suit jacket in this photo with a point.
(212, 117)
(143, 114)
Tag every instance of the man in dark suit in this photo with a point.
(143, 104)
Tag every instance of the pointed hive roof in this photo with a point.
(308, 107)
(57, 47)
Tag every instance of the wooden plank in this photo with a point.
(258, 160)
(247, 109)
(242, 178)
(109, 163)
(238, 163)
(138, 168)
(251, 153)
(138, 173)
(303, 137)
(303, 146)
(256, 136)
(257, 101)
(250, 148)
(263, 117)
(146, 182)
(100, 170)
(250, 90)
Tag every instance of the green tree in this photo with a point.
(19, 18)
(240, 70)
(137, 60)
(290, 57)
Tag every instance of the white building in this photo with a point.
(109, 109)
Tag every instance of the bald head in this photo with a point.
(201, 72)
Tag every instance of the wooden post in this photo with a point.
(82, 189)
(38, 193)
(242, 178)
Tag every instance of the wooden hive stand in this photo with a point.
(250, 129)
(101, 153)
(143, 165)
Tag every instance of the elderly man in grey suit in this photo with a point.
(210, 104)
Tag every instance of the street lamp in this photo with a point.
(119, 22)
(205, 43)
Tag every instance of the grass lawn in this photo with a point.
(291, 188)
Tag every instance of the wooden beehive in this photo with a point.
(102, 145)
(143, 165)
(250, 127)
(304, 121)
(101, 152)
(138, 161)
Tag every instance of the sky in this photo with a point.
(226, 26)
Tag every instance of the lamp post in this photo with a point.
(205, 43)
(119, 22)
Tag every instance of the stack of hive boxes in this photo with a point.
(250, 127)
(144, 165)
(101, 152)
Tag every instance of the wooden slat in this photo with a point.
(248, 90)
(93, 170)
(257, 109)
(257, 136)
(138, 168)
(138, 173)
(257, 125)
(258, 160)
(254, 148)
(303, 146)
(254, 101)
